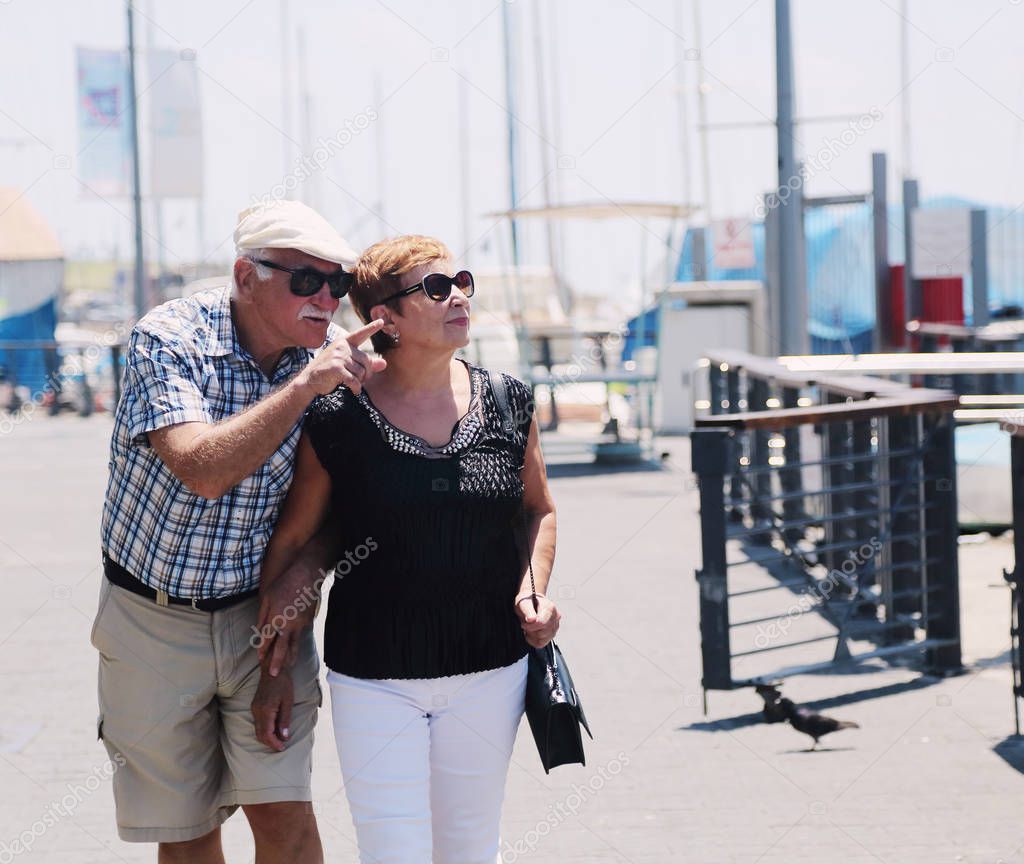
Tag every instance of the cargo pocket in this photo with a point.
(100, 606)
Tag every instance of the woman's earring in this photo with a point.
(394, 337)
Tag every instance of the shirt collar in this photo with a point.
(222, 339)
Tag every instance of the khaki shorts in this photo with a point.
(175, 689)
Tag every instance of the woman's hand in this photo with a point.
(539, 627)
(272, 709)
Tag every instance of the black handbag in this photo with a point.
(553, 707)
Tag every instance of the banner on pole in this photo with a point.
(733, 242)
(104, 143)
(175, 127)
(942, 242)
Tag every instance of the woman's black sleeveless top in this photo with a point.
(431, 537)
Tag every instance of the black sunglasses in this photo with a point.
(307, 281)
(438, 286)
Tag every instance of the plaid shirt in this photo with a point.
(184, 364)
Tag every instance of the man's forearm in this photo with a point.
(220, 456)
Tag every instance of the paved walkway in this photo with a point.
(929, 778)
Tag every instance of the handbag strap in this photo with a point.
(499, 387)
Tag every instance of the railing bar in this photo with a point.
(906, 565)
(916, 592)
(785, 645)
(789, 583)
(751, 621)
(849, 487)
(820, 520)
(888, 651)
(827, 547)
(910, 451)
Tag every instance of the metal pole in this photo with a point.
(464, 204)
(158, 204)
(905, 167)
(979, 268)
(698, 254)
(702, 118)
(140, 300)
(554, 262)
(911, 294)
(883, 335)
(286, 76)
(379, 141)
(793, 295)
(519, 316)
(682, 114)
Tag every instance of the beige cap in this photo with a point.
(283, 224)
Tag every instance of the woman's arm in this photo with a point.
(540, 625)
(289, 578)
(300, 550)
(303, 513)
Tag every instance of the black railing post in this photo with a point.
(838, 474)
(715, 388)
(710, 450)
(942, 579)
(865, 527)
(790, 479)
(735, 486)
(1015, 578)
(761, 479)
(905, 524)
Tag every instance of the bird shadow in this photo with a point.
(818, 750)
(754, 718)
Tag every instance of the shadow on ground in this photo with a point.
(754, 718)
(593, 469)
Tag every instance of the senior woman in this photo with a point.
(435, 500)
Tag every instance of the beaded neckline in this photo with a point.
(464, 433)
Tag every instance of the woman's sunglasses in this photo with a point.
(307, 281)
(438, 286)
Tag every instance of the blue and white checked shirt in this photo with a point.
(184, 364)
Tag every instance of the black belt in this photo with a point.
(120, 577)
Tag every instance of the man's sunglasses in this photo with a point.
(307, 281)
(438, 286)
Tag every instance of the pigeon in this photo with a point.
(815, 725)
(772, 711)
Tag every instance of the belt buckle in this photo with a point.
(195, 601)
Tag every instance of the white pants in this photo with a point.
(424, 762)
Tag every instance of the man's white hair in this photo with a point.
(263, 273)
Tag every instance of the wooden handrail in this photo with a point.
(768, 368)
(931, 402)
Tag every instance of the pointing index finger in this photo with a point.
(358, 337)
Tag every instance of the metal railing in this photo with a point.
(828, 523)
(66, 370)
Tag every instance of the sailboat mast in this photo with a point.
(140, 300)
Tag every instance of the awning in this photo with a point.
(24, 234)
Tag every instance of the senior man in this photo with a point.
(215, 388)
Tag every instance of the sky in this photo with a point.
(617, 78)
